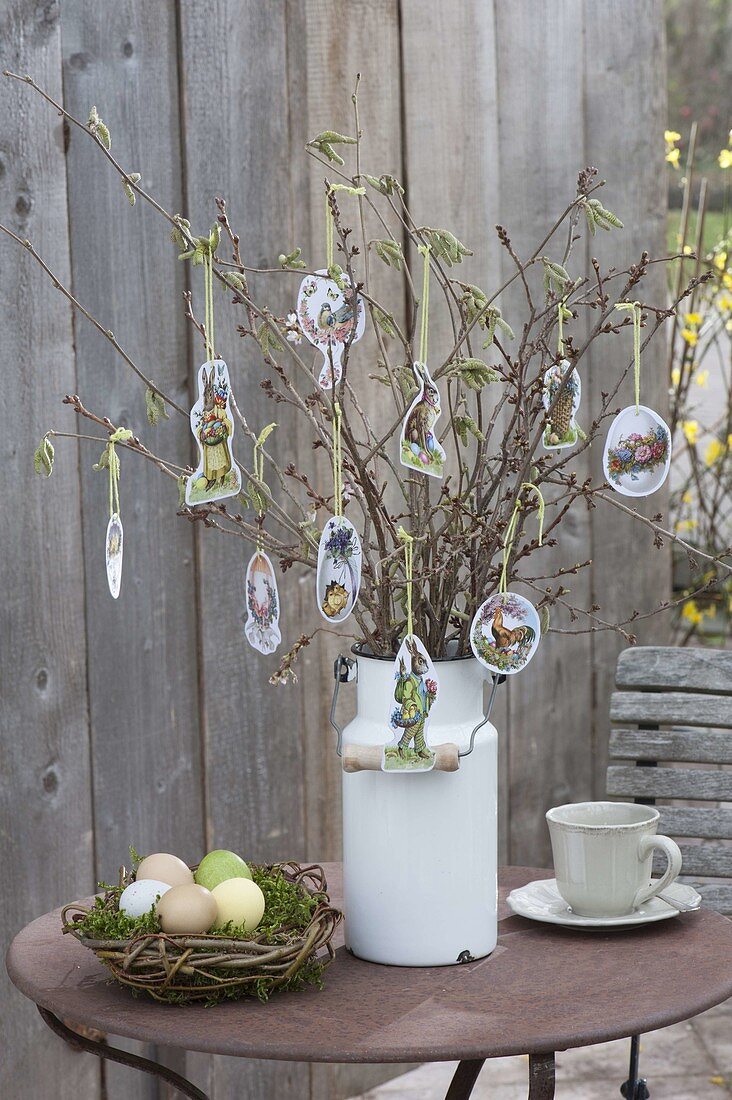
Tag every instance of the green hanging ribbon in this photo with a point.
(110, 459)
(510, 535)
(425, 249)
(337, 462)
(563, 314)
(260, 501)
(408, 541)
(209, 308)
(328, 230)
(636, 309)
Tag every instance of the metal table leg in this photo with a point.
(102, 1050)
(541, 1077)
(465, 1077)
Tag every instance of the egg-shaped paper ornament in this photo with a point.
(114, 546)
(187, 910)
(329, 319)
(637, 453)
(505, 633)
(339, 569)
(165, 867)
(414, 693)
(561, 427)
(263, 604)
(140, 896)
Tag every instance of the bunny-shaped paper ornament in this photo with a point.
(415, 692)
(419, 448)
(217, 475)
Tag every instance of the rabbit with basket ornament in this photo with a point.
(419, 446)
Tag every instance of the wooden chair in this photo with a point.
(670, 742)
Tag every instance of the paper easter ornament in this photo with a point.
(637, 453)
(561, 428)
(114, 545)
(217, 475)
(419, 448)
(414, 694)
(339, 569)
(263, 605)
(326, 317)
(505, 633)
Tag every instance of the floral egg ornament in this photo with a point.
(505, 633)
(339, 569)
(637, 453)
(263, 605)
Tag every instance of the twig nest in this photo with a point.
(239, 901)
(187, 910)
(165, 867)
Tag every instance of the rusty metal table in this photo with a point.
(542, 990)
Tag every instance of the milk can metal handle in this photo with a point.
(345, 670)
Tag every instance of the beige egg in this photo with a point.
(187, 910)
(165, 868)
(240, 901)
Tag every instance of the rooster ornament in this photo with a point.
(505, 633)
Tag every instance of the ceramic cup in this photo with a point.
(603, 853)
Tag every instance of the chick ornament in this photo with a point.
(415, 692)
(338, 577)
(114, 539)
(637, 454)
(330, 312)
(505, 631)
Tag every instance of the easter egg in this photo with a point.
(140, 896)
(218, 866)
(187, 910)
(164, 867)
(240, 901)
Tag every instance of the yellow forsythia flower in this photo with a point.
(720, 261)
(691, 613)
(715, 450)
(688, 250)
(685, 524)
(702, 378)
(672, 156)
(687, 497)
(691, 337)
(671, 136)
(725, 158)
(693, 318)
(724, 303)
(675, 376)
(691, 430)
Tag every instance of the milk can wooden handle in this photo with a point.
(367, 758)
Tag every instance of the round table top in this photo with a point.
(543, 989)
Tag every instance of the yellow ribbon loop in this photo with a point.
(328, 229)
(209, 309)
(636, 309)
(259, 478)
(337, 462)
(425, 249)
(121, 435)
(408, 541)
(510, 535)
(563, 314)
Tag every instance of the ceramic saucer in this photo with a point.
(542, 901)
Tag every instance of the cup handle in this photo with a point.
(673, 854)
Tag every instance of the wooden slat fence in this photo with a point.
(149, 720)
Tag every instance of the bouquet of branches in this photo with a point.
(491, 374)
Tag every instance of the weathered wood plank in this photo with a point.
(550, 752)
(46, 820)
(700, 746)
(698, 821)
(708, 860)
(236, 122)
(681, 669)
(671, 708)
(624, 92)
(686, 783)
(143, 660)
(715, 896)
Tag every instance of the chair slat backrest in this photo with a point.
(674, 706)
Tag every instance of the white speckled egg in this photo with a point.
(165, 868)
(139, 897)
(187, 910)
